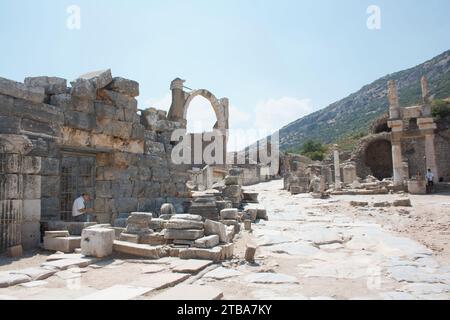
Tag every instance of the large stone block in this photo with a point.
(106, 111)
(173, 234)
(207, 242)
(125, 86)
(118, 99)
(97, 242)
(84, 89)
(103, 189)
(153, 239)
(141, 250)
(99, 79)
(229, 214)
(21, 91)
(63, 244)
(214, 254)
(51, 85)
(180, 224)
(79, 120)
(191, 217)
(213, 227)
(33, 126)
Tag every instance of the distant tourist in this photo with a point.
(80, 212)
(430, 180)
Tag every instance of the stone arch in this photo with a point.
(373, 156)
(220, 107)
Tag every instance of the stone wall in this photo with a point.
(97, 116)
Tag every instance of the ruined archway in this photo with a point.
(378, 157)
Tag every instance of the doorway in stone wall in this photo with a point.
(77, 177)
(379, 159)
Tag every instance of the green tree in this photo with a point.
(314, 150)
(441, 109)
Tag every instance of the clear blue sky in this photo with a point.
(255, 52)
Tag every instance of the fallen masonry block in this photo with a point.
(229, 214)
(383, 204)
(191, 266)
(140, 250)
(57, 234)
(157, 224)
(230, 233)
(213, 227)
(190, 292)
(174, 234)
(180, 224)
(140, 217)
(250, 253)
(207, 242)
(402, 203)
(153, 239)
(359, 203)
(234, 223)
(99, 79)
(74, 228)
(214, 254)
(250, 197)
(63, 244)
(248, 225)
(128, 237)
(97, 242)
(193, 217)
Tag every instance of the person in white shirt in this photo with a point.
(79, 211)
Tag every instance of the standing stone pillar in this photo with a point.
(394, 105)
(430, 153)
(176, 111)
(397, 163)
(337, 170)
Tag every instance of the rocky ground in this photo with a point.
(309, 249)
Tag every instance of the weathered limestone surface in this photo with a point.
(207, 242)
(180, 224)
(63, 244)
(21, 91)
(97, 242)
(174, 234)
(216, 228)
(141, 250)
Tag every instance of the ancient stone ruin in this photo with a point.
(396, 155)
